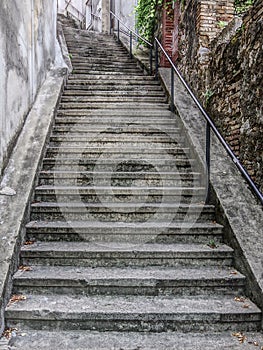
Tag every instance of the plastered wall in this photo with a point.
(27, 51)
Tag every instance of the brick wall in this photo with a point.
(167, 32)
(225, 69)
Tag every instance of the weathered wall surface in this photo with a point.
(125, 10)
(236, 70)
(225, 70)
(27, 51)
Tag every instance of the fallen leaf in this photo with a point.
(212, 244)
(246, 306)
(25, 268)
(233, 273)
(240, 299)
(255, 343)
(8, 332)
(15, 298)
(240, 336)
(29, 242)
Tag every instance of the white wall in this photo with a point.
(27, 51)
(125, 10)
(94, 15)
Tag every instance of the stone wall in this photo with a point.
(27, 51)
(224, 68)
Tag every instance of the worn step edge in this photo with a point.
(148, 281)
(134, 313)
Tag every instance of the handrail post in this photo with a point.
(156, 61)
(151, 60)
(111, 24)
(118, 35)
(130, 44)
(208, 159)
(172, 91)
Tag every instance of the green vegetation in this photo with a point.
(146, 14)
(208, 95)
(222, 24)
(242, 6)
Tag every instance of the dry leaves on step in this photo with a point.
(233, 273)
(29, 242)
(240, 336)
(8, 332)
(25, 268)
(240, 299)
(16, 298)
(255, 343)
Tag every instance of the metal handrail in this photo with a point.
(132, 34)
(130, 30)
(95, 16)
(78, 11)
(210, 124)
(68, 3)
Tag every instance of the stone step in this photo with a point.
(122, 140)
(125, 81)
(80, 33)
(116, 121)
(108, 48)
(87, 52)
(120, 57)
(115, 149)
(131, 133)
(77, 178)
(80, 39)
(151, 281)
(72, 34)
(112, 85)
(93, 41)
(48, 211)
(130, 115)
(92, 45)
(116, 254)
(103, 60)
(125, 94)
(113, 99)
(90, 152)
(133, 313)
(119, 165)
(135, 232)
(104, 70)
(114, 105)
(129, 127)
(141, 139)
(109, 65)
(94, 340)
(118, 194)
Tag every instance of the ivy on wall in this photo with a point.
(145, 17)
(242, 6)
(146, 14)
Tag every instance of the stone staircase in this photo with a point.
(121, 252)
